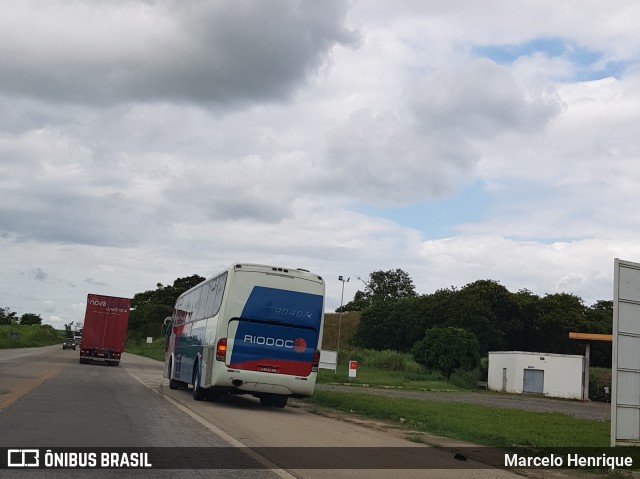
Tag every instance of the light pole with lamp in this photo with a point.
(340, 278)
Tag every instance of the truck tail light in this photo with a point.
(316, 361)
(221, 349)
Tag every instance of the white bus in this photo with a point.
(251, 329)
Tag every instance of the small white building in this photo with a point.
(555, 375)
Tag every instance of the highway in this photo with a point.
(48, 399)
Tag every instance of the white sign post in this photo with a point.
(328, 360)
(149, 340)
(625, 367)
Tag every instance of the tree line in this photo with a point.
(8, 318)
(395, 317)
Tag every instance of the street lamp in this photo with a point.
(340, 278)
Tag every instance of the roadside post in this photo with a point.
(353, 369)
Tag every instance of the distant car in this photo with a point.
(69, 343)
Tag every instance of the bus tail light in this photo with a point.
(316, 361)
(221, 349)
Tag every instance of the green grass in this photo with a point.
(29, 336)
(476, 424)
(374, 377)
(387, 369)
(155, 350)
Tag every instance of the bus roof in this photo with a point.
(262, 268)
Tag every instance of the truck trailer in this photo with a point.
(105, 329)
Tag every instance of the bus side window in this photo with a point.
(211, 298)
(195, 303)
(219, 292)
(202, 304)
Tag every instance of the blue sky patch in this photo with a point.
(583, 59)
(437, 218)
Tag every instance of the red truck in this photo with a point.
(105, 328)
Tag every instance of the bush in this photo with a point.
(465, 379)
(386, 360)
(447, 350)
(484, 369)
(598, 379)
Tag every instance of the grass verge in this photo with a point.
(480, 425)
(28, 336)
(386, 379)
(155, 350)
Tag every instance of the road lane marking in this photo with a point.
(216, 430)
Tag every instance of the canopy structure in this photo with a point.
(588, 337)
(591, 337)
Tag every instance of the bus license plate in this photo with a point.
(267, 369)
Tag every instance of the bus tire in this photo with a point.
(280, 401)
(199, 393)
(173, 384)
(274, 401)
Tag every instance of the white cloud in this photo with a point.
(200, 51)
(145, 141)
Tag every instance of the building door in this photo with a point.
(533, 381)
(504, 379)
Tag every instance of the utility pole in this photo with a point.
(340, 278)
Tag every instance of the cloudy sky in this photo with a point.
(142, 141)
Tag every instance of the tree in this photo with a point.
(487, 309)
(390, 285)
(599, 319)
(8, 317)
(391, 325)
(30, 318)
(447, 350)
(557, 315)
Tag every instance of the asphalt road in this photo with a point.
(48, 399)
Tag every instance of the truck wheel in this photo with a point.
(199, 393)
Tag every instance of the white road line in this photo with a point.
(216, 430)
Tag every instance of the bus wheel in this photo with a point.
(199, 394)
(173, 384)
(274, 401)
